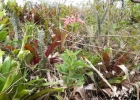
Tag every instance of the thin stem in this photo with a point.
(24, 40)
(101, 75)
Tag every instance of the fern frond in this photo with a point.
(40, 38)
(15, 22)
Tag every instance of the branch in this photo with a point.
(101, 75)
(135, 1)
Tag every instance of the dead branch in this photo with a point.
(101, 75)
(135, 1)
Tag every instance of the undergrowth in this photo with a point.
(64, 52)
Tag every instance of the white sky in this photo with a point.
(74, 2)
(67, 2)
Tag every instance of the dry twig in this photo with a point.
(101, 75)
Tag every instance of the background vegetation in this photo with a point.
(64, 52)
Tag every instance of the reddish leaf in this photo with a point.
(56, 42)
(35, 43)
(51, 48)
(10, 48)
(106, 57)
(35, 60)
(57, 35)
(5, 48)
(37, 18)
(55, 60)
(31, 49)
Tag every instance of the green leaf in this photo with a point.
(79, 64)
(71, 68)
(32, 82)
(94, 59)
(77, 52)
(18, 81)
(89, 73)
(8, 82)
(33, 97)
(71, 54)
(63, 69)
(15, 51)
(117, 80)
(1, 58)
(1, 26)
(3, 35)
(6, 66)
(15, 67)
(28, 58)
(73, 57)
(49, 83)
(79, 83)
(4, 20)
(22, 54)
(77, 76)
(4, 96)
(2, 78)
(67, 62)
(107, 50)
(2, 12)
(23, 92)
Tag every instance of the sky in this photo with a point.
(74, 2)
(67, 2)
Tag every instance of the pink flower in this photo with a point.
(71, 19)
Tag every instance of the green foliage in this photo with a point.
(38, 27)
(117, 80)
(94, 58)
(44, 92)
(10, 74)
(3, 35)
(12, 78)
(2, 13)
(3, 32)
(12, 7)
(72, 69)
